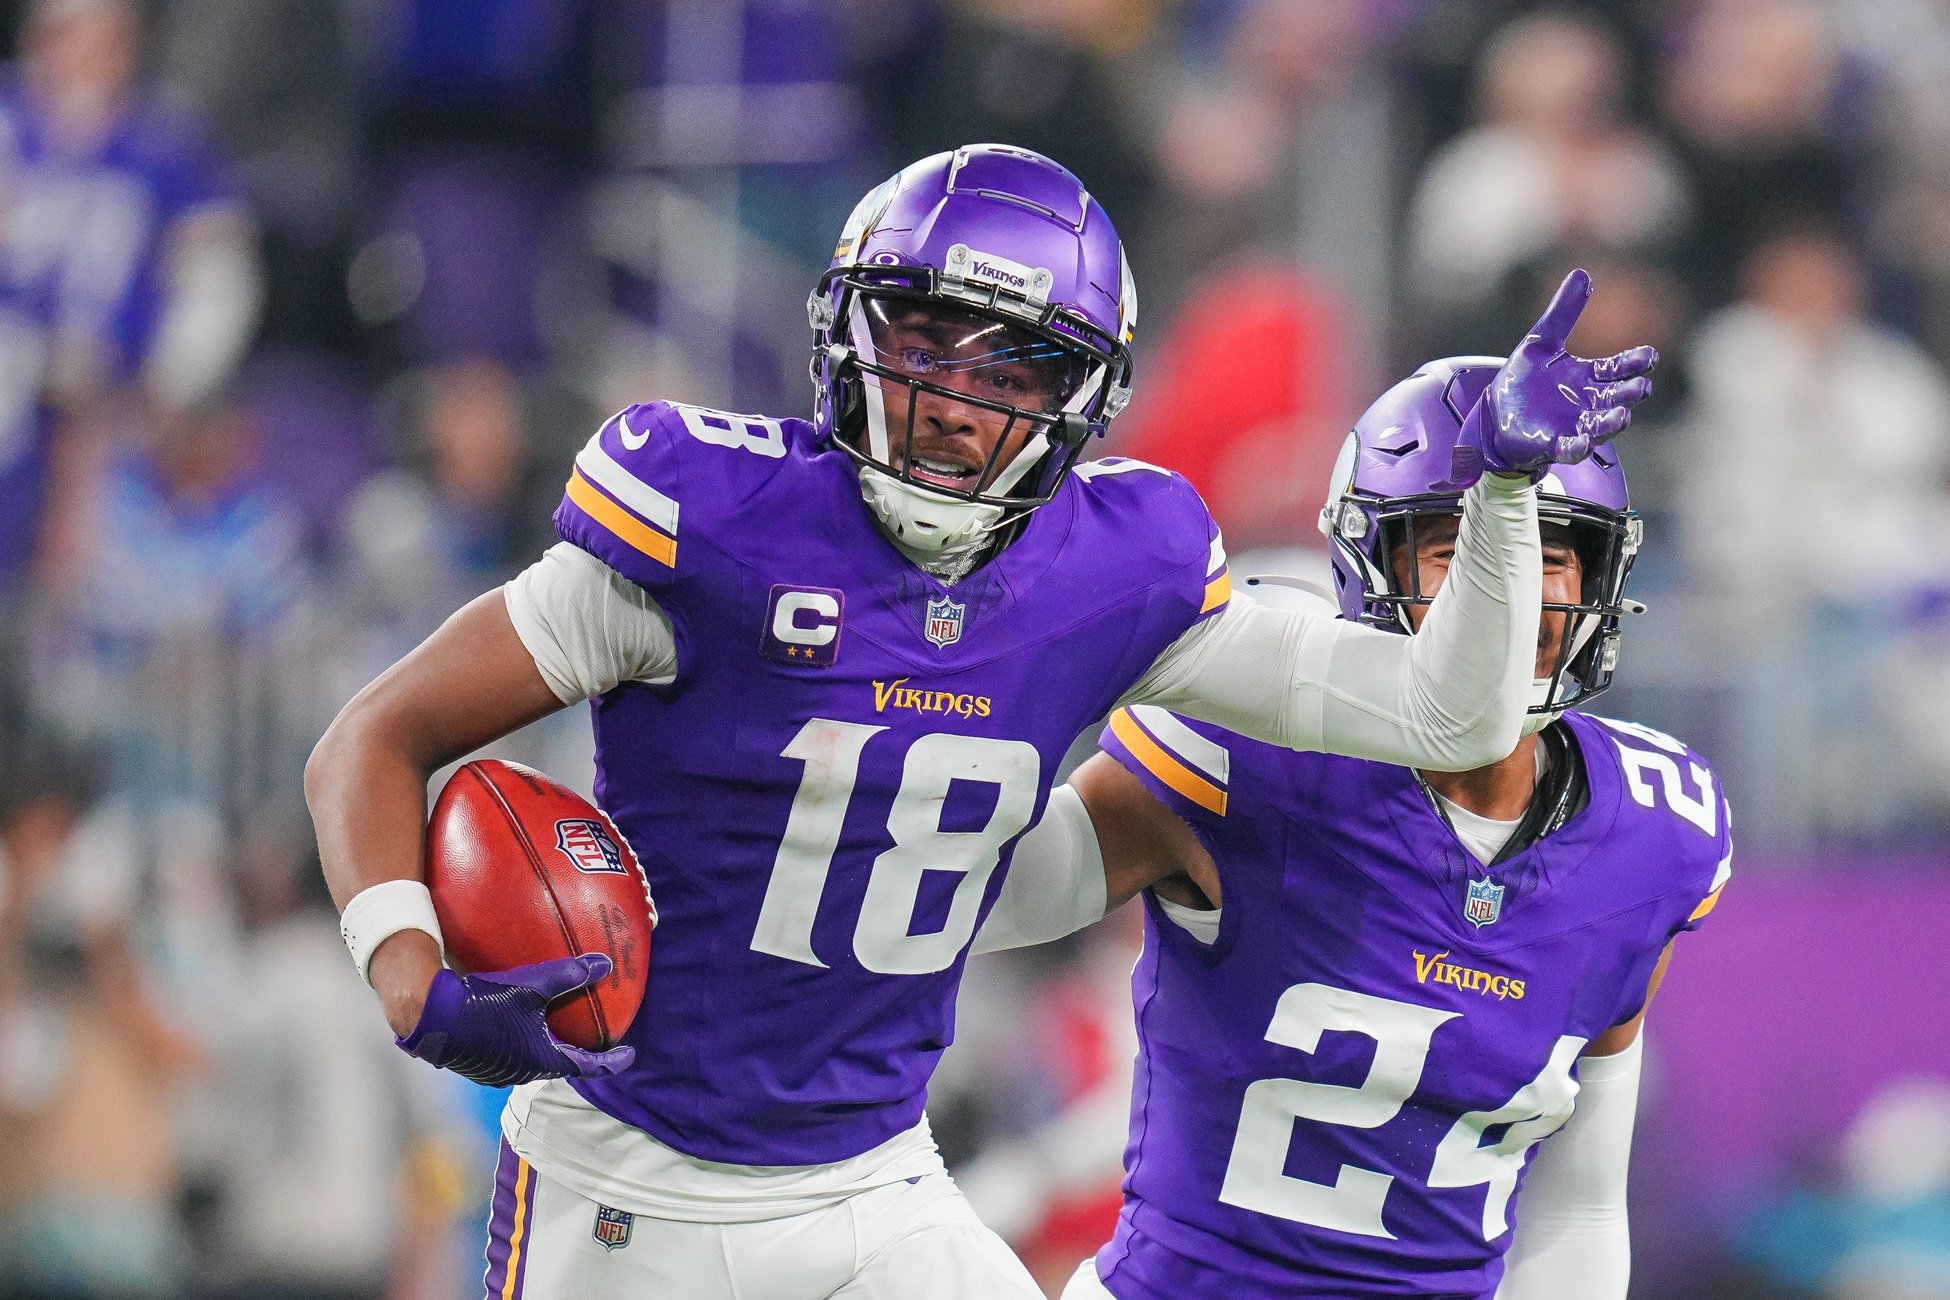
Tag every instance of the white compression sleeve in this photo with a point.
(1450, 698)
(1055, 884)
(589, 627)
(1571, 1235)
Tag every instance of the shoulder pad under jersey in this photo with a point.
(658, 472)
(1681, 829)
(1186, 764)
(1159, 523)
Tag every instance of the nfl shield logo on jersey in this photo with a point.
(944, 621)
(588, 845)
(1484, 904)
(613, 1227)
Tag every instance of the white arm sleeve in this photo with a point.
(1571, 1237)
(1450, 698)
(1055, 884)
(589, 627)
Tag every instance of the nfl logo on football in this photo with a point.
(1484, 904)
(944, 621)
(613, 1227)
(588, 845)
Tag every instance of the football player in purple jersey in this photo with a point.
(1369, 992)
(834, 665)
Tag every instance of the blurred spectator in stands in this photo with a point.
(87, 1063)
(121, 246)
(1903, 50)
(277, 83)
(329, 1136)
(468, 505)
(187, 542)
(1553, 161)
(1754, 90)
(164, 648)
(738, 151)
(1057, 76)
(1280, 150)
(26, 450)
(1223, 158)
(1819, 454)
(1263, 291)
(1814, 493)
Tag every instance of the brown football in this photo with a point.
(525, 870)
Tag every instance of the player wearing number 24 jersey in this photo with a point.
(834, 665)
(1410, 982)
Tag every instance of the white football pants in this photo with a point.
(914, 1240)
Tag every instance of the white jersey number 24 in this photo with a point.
(1256, 1177)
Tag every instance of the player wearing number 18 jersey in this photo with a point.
(824, 728)
(1410, 981)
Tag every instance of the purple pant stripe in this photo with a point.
(501, 1223)
(524, 1247)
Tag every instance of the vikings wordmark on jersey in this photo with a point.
(826, 797)
(1346, 1086)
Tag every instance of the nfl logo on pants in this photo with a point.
(613, 1227)
(944, 621)
(1484, 904)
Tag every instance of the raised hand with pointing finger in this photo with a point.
(1546, 407)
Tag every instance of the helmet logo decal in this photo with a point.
(860, 221)
(944, 621)
(1126, 297)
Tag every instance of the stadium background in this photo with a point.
(293, 365)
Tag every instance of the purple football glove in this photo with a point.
(490, 1027)
(1547, 407)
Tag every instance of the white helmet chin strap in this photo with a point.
(923, 522)
(1542, 697)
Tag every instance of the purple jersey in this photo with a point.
(1339, 1095)
(826, 798)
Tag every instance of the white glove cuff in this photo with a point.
(378, 913)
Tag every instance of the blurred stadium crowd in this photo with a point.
(305, 304)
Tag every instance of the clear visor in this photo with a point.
(968, 353)
(962, 403)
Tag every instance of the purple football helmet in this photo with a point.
(988, 277)
(1394, 470)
